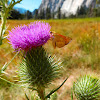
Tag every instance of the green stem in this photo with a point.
(13, 83)
(3, 26)
(26, 96)
(48, 96)
(9, 81)
(5, 66)
(1, 40)
(41, 93)
(4, 15)
(71, 94)
(4, 19)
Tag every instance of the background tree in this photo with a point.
(29, 14)
(52, 15)
(42, 14)
(48, 13)
(59, 13)
(64, 16)
(14, 14)
(36, 14)
(94, 10)
(98, 12)
(82, 11)
(97, 8)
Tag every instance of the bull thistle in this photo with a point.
(37, 69)
(87, 88)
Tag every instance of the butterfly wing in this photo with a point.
(59, 40)
(68, 40)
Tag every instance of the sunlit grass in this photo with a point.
(81, 56)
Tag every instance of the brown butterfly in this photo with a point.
(59, 40)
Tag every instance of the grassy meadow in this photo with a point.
(80, 57)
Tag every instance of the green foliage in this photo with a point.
(48, 13)
(14, 14)
(36, 14)
(64, 16)
(34, 96)
(81, 11)
(96, 12)
(38, 69)
(87, 88)
(52, 15)
(54, 96)
(59, 13)
(54, 90)
(4, 84)
(28, 14)
(4, 13)
(41, 14)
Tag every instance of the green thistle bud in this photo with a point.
(38, 69)
(87, 88)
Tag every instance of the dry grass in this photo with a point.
(80, 57)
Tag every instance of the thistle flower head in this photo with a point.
(29, 36)
(87, 88)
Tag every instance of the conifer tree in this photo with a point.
(28, 14)
(59, 13)
(36, 14)
(48, 13)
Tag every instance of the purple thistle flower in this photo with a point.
(29, 36)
